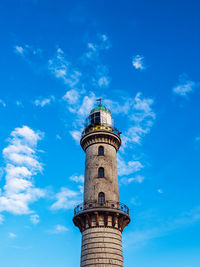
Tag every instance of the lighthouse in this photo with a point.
(101, 218)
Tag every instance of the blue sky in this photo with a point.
(142, 58)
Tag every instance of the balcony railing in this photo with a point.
(107, 204)
(93, 128)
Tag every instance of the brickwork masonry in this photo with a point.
(101, 247)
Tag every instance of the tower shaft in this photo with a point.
(101, 218)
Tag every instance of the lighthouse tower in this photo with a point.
(101, 218)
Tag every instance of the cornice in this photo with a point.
(96, 137)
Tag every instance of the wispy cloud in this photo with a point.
(65, 199)
(76, 135)
(185, 86)
(137, 179)
(119, 108)
(94, 49)
(1, 218)
(80, 108)
(126, 168)
(138, 62)
(21, 166)
(27, 50)
(77, 178)
(44, 101)
(58, 137)
(63, 69)
(58, 229)
(160, 191)
(2, 103)
(71, 97)
(19, 103)
(19, 50)
(35, 219)
(143, 117)
(98, 72)
(12, 235)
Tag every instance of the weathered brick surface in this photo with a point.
(101, 247)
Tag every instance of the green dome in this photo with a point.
(100, 107)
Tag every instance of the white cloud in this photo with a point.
(27, 50)
(65, 199)
(77, 178)
(62, 69)
(97, 73)
(104, 81)
(126, 168)
(1, 218)
(58, 137)
(81, 111)
(71, 96)
(185, 86)
(138, 62)
(76, 135)
(45, 101)
(143, 117)
(35, 219)
(21, 166)
(102, 76)
(1, 172)
(2, 103)
(127, 180)
(12, 235)
(81, 188)
(58, 229)
(160, 191)
(117, 108)
(19, 103)
(87, 105)
(25, 136)
(94, 49)
(19, 50)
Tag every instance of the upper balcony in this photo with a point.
(107, 205)
(94, 128)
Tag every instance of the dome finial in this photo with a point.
(99, 100)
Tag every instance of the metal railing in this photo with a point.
(107, 204)
(93, 128)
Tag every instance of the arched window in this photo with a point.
(101, 198)
(101, 172)
(101, 151)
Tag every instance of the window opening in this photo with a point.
(101, 151)
(101, 198)
(101, 172)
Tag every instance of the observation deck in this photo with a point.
(87, 215)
